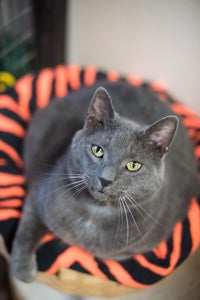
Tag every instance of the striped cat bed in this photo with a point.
(17, 107)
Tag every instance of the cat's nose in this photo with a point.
(104, 182)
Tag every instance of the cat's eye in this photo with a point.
(133, 166)
(97, 151)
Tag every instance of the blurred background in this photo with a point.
(154, 39)
(157, 40)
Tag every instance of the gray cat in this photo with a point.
(113, 184)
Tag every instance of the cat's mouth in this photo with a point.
(102, 195)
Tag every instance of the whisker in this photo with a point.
(136, 207)
(79, 190)
(120, 217)
(62, 174)
(45, 164)
(132, 216)
(81, 182)
(81, 187)
(55, 166)
(61, 187)
(146, 212)
(127, 224)
(59, 179)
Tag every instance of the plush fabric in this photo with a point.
(17, 105)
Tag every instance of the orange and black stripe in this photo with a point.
(34, 92)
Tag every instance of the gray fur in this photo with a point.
(112, 213)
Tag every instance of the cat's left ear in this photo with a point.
(160, 134)
(101, 111)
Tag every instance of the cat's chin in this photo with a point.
(103, 197)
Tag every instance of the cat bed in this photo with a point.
(17, 106)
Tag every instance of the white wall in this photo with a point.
(155, 39)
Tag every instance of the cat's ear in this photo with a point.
(160, 134)
(101, 111)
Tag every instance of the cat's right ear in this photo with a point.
(160, 134)
(101, 111)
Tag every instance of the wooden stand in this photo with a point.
(182, 283)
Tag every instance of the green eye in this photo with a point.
(97, 151)
(133, 166)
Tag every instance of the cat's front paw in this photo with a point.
(24, 269)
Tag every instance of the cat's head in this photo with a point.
(118, 157)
